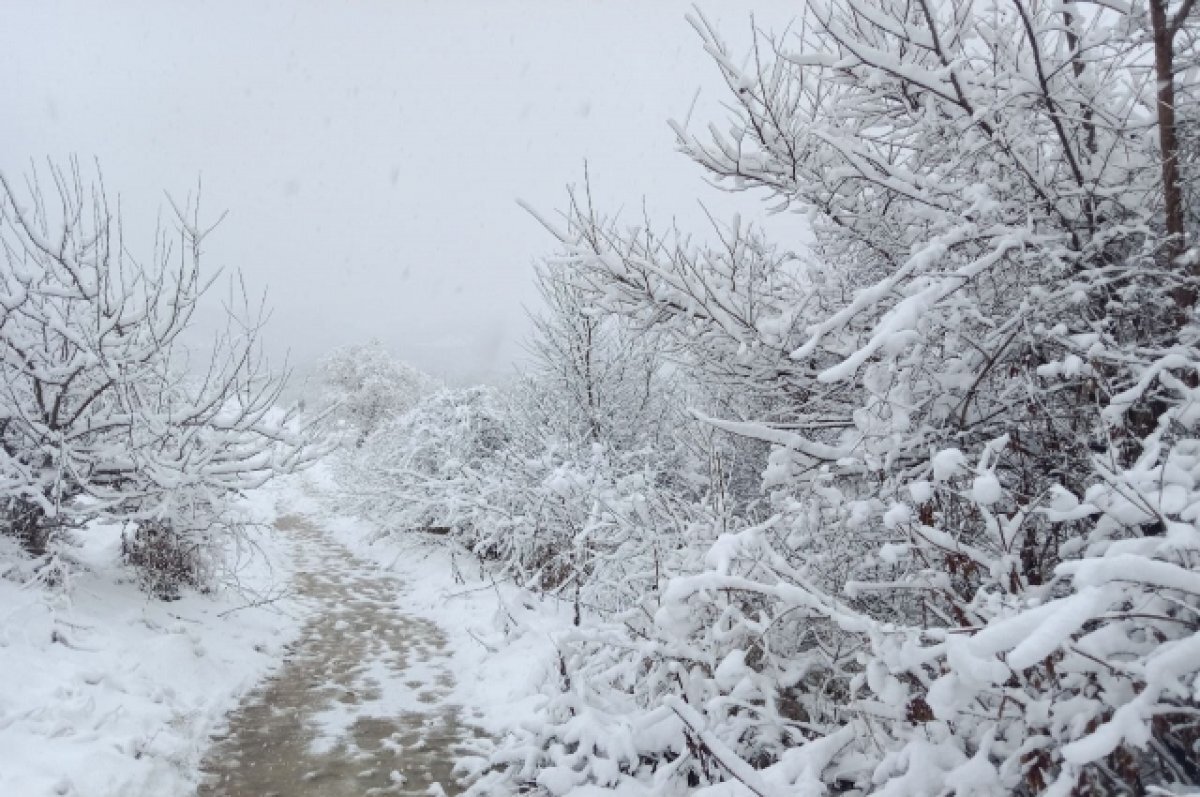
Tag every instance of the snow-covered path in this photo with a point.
(359, 706)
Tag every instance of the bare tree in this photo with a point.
(604, 380)
(103, 411)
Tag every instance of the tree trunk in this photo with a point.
(1164, 69)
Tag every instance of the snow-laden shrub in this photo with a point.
(931, 662)
(367, 387)
(422, 471)
(979, 570)
(586, 523)
(578, 479)
(25, 521)
(167, 560)
(600, 528)
(1085, 682)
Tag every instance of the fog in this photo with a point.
(370, 155)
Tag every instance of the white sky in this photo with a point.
(370, 153)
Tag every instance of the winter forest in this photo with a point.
(882, 479)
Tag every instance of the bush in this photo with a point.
(166, 560)
(101, 416)
(980, 569)
(367, 387)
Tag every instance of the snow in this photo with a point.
(920, 491)
(971, 563)
(500, 638)
(986, 490)
(896, 515)
(107, 692)
(891, 553)
(731, 669)
(947, 463)
(1064, 617)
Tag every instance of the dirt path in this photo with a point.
(358, 707)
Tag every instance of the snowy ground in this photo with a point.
(500, 638)
(104, 691)
(360, 706)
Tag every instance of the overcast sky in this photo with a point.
(370, 154)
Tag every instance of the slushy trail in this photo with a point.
(359, 705)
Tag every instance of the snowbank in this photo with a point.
(106, 691)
